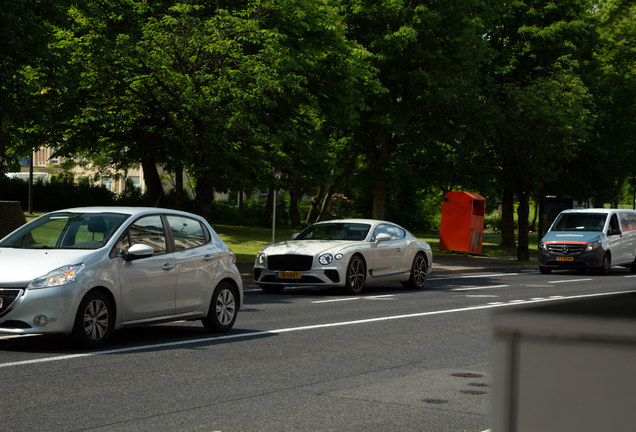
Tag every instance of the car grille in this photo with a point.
(9, 296)
(308, 280)
(290, 262)
(572, 249)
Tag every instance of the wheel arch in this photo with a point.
(236, 289)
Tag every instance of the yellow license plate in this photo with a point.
(565, 258)
(288, 275)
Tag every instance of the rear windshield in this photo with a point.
(579, 222)
(66, 231)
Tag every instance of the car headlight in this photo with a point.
(339, 256)
(543, 246)
(325, 259)
(57, 277)
(260, 258)
(592, 246)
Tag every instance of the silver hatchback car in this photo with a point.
(89, 271)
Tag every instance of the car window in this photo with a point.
(187, 233)
(579, 222)
(383, 229)
(335, 231)
(148, 230)
(399, 233)
(67, 231)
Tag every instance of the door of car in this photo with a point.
(197, 255)
(388, 255)
(148, 285)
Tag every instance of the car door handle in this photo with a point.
(167, 266)
(208, 257)
(399, 249)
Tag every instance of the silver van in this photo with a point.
(590, 239)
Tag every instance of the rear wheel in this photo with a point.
(94, 321)
(417, 280)
(356, 275)
(632, 267)
(223, 309)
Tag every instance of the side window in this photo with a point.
(382, 229)
(147, 230)
(613, 223)
(399, 233)
(187, 233)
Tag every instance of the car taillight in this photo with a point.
(233, 257)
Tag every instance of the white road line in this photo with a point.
(630, 276)
(537, 298)
(473, 276)
(479, 288)
(517, 301)
(571, 280)
(336, 300)
(287, 330)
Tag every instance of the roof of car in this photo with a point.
(595, 210)
(125, 210)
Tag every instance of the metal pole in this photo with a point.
(31, 185)
(274, 219)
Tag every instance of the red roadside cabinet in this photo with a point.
(462, 227)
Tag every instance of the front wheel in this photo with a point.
(222, 313)
(417, 280)
(272, 289)
(356, 275)
(607, 263)
(94, 321)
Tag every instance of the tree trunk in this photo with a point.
(178, 190)
(2, 150)
(241, 208)
(153, 181)
(205, 193)
(533, 225)
(507, 219)
(326, 202)
(294, 197)
(314, 205)
(379, 199)
(523, 211)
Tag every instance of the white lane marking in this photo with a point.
(479, 288)
(336, 300)
(630, 276)
(557, 297)
(571, 280)
(517, 301)
(380, 296)
(289, 330)
(537, 298)
(473, 276)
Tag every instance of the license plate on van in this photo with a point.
(288, 275)
(565, 258)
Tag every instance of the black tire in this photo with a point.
(417, 280)
(607, 264)
(223, 309)
(272, 289)
(356, 275)
(94, 321)
(545, 270)
(632, 267)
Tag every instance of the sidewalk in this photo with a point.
(447, 265)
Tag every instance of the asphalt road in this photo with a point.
(304, 360)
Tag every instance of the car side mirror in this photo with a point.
(382, 237)
(138, 251)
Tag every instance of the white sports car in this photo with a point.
(345, 253)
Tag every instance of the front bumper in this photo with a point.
(57, 304)
(584, 260)
(323, 276)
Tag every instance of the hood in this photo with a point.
(306, 247)
(18, 267)
(572, 236)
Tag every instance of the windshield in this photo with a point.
(335, 231)
(579, 222)
(66, 231)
